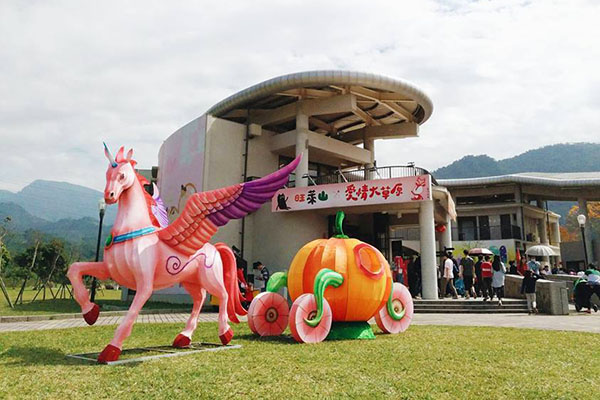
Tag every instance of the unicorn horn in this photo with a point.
(109, 156)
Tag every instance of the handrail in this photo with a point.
(361, 174)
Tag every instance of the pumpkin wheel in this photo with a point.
(401, 301)
(268, 314)
(305, 307)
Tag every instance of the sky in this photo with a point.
(504, 76)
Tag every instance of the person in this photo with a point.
(522, 267)
(264, 275)
(546, 270)
(411, 273)
(418, 274)
(533, 265)
(528, 287)
(498, 278)
(467, 271)
(554, 269)
(486, 276)
(479, 281)
(447, 277)
(512, 269)
(245, 288)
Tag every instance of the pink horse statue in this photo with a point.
(144, 253)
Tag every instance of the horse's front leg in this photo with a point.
(76, 272)
(142, 294)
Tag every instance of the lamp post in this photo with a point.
(581, 220)
(101, 209)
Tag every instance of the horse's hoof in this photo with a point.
(182, 341)
(92, 315)
(227, 336)
(110, 353)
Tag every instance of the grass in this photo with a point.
(107, 299)
(426, 362)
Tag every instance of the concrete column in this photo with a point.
(369, 144)
(543, 231)
(446, 236)
(556, 239)
(588, 229)
(428, 264)
(302, 147)
(520, 216)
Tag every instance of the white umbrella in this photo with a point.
(480, 251)
(540, 250)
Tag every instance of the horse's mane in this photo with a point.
(141, 181)
(149, 200)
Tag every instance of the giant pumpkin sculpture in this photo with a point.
(339, 282)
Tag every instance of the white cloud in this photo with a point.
(504, 76)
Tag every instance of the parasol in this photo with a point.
(540, 250)
(480, 251)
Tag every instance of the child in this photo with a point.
(528, 287)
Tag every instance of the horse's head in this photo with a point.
(120, 174)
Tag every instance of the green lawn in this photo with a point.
(425, 362)
(107, 299)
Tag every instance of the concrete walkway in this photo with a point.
(573, 322)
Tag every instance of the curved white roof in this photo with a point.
(384, 91)
(567, 179)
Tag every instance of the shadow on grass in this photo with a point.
(28, 356)
(287, 339)
(67, 306)
(38, 356)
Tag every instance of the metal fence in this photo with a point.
(362, 174)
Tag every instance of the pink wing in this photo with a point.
(206, 211)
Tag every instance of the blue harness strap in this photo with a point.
(128, 236)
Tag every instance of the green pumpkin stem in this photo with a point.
(390, 309)
(337, 229)
(277, 281)
(326, 277)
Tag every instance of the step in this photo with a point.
(499, 310)
(469, 307)
(465, 302)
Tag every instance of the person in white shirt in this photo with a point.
(448, 276)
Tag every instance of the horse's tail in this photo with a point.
(234, 305)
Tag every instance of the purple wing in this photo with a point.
(158, 209)
(253, 195)
(204, 212)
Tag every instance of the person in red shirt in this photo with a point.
(486, 275)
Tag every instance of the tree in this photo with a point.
(4, 258)
(22, 260)
(51, 264)
(572, 226)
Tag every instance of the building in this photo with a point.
(333, 119)
(511, 211)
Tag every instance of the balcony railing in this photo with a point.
(362, 174)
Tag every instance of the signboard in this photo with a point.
(381, 191)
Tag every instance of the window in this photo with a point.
(467, 227)
(484, 227)
(506, 226)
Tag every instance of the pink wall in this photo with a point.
(181, 163)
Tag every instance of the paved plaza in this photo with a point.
(572, 322)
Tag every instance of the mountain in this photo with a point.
(54, 201)
(567, 157)
(81, 232)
